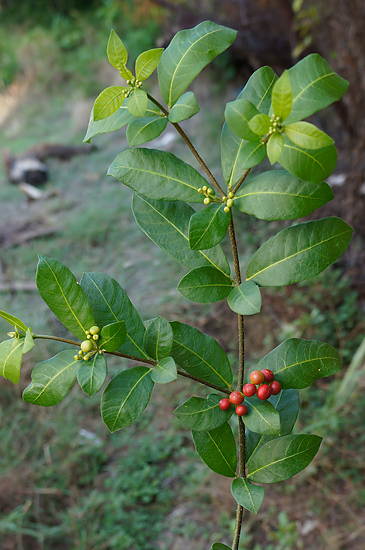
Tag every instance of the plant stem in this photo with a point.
(191, 147)
(139, 359)
(241, 372)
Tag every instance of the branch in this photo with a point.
(241, 371)
(139, 359)
(191, 147)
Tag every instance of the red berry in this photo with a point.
(249, 390)
(224, 404)
(264, 392)
(236, 398)
(241, 410)
(275, 387)
(268, 375)
(257, 377)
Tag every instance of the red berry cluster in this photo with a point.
(267, 386)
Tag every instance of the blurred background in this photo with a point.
(65, 482)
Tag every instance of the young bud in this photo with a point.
(209, 191)
(205, 188)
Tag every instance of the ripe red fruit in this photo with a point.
(236, 398)
(257, 377)
(264, 392)
(249, 390)
(241, 410)
(268, 375)
(224, 404)
(275, 387)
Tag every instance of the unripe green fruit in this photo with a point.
(86, 346)
(229, 203)
(226, 209)
(96, 337)
(89, 336)
(230, 195)
(206, 200)
(76, 357)
(94, 330)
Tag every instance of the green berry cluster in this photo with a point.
(277, 126)
(89, 347)
(208, 192)
(229, 201)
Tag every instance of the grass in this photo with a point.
(65, 482)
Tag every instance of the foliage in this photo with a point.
(265, 120)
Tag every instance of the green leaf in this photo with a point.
(262, 418)
(108, 102)
(147, 62)
(138, 101)
(158, 338)
(287, 405)
(219, 546)
(92, 374)
(259, 88)
(64, 296)
(200, 355)
(245, 299)
(307, 136)
(205, 285)
(11, 354)
(238, 155)
(14, 321)
(109, 304)
(208, 227)
(113, 336)
(277, 195)
(299, 252)
(297, 363)
(166, 224)
(248, 495)
(202, 414)
(315, 86)
(117, 54)
(187, 54)
(28, 341)
(52, 379)
(165, 371)
(275, 147)
(185, 107)
(283, 457)
(282, 96)
(115, 122)
(126, 397)
(313, 166)
(238, 113)
(158, 175)
(217, 448)
(260, 124)
(145, 129)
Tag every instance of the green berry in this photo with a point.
(226, 209)
(76, 357)
(207, 200)
(94, 330)
(230, 195)
(86, 346)
(96, 337)
(205, 188)
(229, 203)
